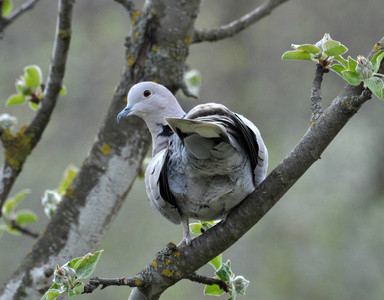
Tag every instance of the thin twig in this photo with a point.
(316, 97)
(208, 281)
(24, 230)
(4, 22)
(95, 282)
(27, 138)
(236, 26)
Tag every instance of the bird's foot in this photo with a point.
(187, 240)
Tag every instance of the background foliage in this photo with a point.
(323, 240)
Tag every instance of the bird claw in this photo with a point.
(187, 240)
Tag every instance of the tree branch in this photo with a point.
(187, 259)
(129, 5)
(236, 26)
(208, 281)
(95, 196)
(24, 230)
(4, 22)
(18, 147)
(95, 282)
(316, 94)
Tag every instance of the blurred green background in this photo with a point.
(323, 240)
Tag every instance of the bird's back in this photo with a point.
(215, 160)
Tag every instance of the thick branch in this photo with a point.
(4, 22)
(21, 145)
(236, 26)
(187, 259)
(91, 203)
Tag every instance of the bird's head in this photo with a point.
(149, 100)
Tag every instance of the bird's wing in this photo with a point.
(199, 136)
(260, 153)
(208, 125)
(156, 182)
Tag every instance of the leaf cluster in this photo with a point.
(328, 53)
(30, 88)
(52, 198)
(12, 218)
(236, 284)
(68, 278)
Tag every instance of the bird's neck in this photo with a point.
(160, 131)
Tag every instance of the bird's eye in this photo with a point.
(147, 93)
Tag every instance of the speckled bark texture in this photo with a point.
(157, 49)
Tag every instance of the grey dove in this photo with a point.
(204, 163)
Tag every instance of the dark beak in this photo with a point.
(124, 113)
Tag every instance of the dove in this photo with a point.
(204, 162)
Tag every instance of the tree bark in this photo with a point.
(156, 50)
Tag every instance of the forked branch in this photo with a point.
(28, 136)
(225, 31)
(4, 22)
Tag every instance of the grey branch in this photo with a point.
(20, 146)
(4, 22)
(236, 26)
(208, 281)
(128, 4)
(95, 282)
(316, 97)
(24, 230)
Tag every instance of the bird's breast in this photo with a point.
(207, 189)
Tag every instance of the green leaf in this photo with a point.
(33, 76)
(196, 228)
(352, 64)
(77, 290)
(207, 224)
(68, 176)
(32, 105)
(11, 203)
(15, 99)
(85, 266)
(53, 292)
(63, 90)
(192, 79)
(25, 217)
(216, 262)
(6, 8)
(338, 69)
(225, 272)
(296, 55)
(213, 290)
(376, 60)
(308, 48)
(376, 85)
(341, 60)
(334, 48)
(352, 77)
(11, 230)
(73, 262)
